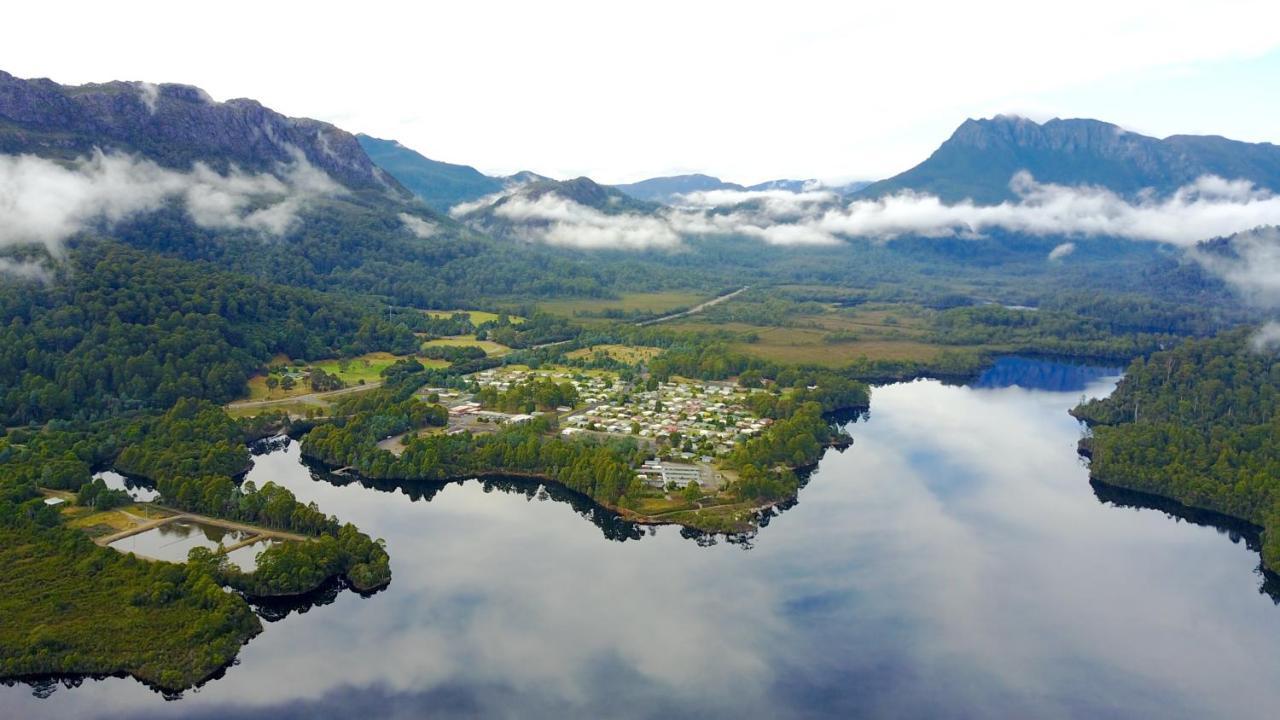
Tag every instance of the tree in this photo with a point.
(692, 491)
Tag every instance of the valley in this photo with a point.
(298, 420)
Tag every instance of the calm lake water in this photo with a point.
(955, 562)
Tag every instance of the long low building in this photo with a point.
(661, 473)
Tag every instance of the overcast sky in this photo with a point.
(746, 91)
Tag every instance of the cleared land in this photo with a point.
(352, 371)
(836, 336)
(489, 347)
(621, 353)
(476, 316)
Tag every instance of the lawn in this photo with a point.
(630, 354)
(489, 347)
(476, 316)
(351, 371)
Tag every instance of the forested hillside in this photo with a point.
(1199, 424)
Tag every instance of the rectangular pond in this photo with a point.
(247, 557)
(174, 540)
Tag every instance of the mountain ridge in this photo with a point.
(981, 156)
(175, 126)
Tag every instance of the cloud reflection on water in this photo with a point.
(954, 562)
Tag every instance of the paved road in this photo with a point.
(696, 308)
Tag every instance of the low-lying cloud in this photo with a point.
(1209, 207)
(1250, 263)
(419, 227)
(1062, 251)
(560, 221)
(43, 202)
(23, 270)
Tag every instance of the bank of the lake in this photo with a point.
(955, 559)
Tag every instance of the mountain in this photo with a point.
(527, 209)
(797, 186)
(981, 156)
(665, 189)
(524, 177)
(794, 186)
(441, 185)
(174, 125)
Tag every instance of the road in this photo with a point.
(258, 533)
(314, 398)
(696, 308)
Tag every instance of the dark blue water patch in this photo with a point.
(1042, 374)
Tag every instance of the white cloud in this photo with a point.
(1267, 338)
(1062, 251)
(150, 93)
(419, 227)
(560, 221)
(10, 268)
(45, 202)
(466, 208)
(1209, 207)
(1251, 264)
(775, 201)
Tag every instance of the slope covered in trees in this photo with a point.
(1199, 424)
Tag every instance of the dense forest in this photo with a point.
(120, 330)
(1199, 424)
(73, 607)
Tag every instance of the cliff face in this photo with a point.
(980, 157)
(174, 125)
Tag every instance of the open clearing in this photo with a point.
(621, 353)
(489, 347)
(476, 316)
(875, 334)
(352, 371)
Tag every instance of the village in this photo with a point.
(690, 425)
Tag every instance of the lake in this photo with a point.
(954, 562)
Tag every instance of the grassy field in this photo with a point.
(622, 353)
(489, 347)
(477, 316)
(659, 302)
(97, 524)
(838, 336)
(295, 409)
(366, 367)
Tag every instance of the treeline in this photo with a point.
(359, 245)
(1047, 332)
(1200, 424)
(602, 471)
(73, 607)
(454, 353)
(537, 329)
(528, 396)
(765, 463)
(191, 454)
(194, 437)
(117, 330)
